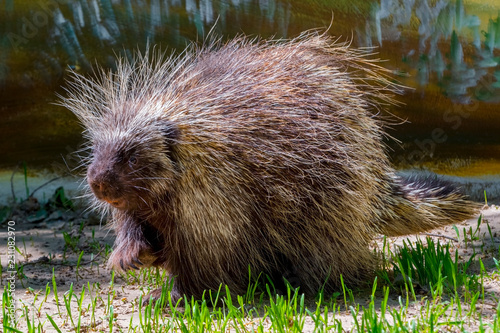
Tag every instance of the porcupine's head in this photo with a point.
(131, 166)
(130, 162)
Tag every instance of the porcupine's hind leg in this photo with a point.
(176, 292)
(324, 274)
(321, 260)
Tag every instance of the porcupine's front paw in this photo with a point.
(131, 255)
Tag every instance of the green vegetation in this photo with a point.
(422, 286)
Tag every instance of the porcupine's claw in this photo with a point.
(129, 265)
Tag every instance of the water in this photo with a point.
(447, 52)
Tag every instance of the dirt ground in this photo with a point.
(52, 244)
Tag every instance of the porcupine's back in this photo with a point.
(278, 150)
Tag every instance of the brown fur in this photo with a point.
(260, 154)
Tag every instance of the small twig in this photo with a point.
(443, 236)
(44, 184)
(427, 234)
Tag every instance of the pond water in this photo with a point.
(446, 51)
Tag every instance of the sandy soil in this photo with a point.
(44, 250)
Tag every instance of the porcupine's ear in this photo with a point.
(171, 135)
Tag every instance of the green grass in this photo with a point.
(432, 266)
(425, 286)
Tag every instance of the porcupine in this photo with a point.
(251, 153)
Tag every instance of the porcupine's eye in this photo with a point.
(132, 161)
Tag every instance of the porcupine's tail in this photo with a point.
(420, 203)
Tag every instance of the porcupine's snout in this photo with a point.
(105, 186)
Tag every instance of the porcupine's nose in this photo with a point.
(105, 184)
(98, 187)
(101, 182)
